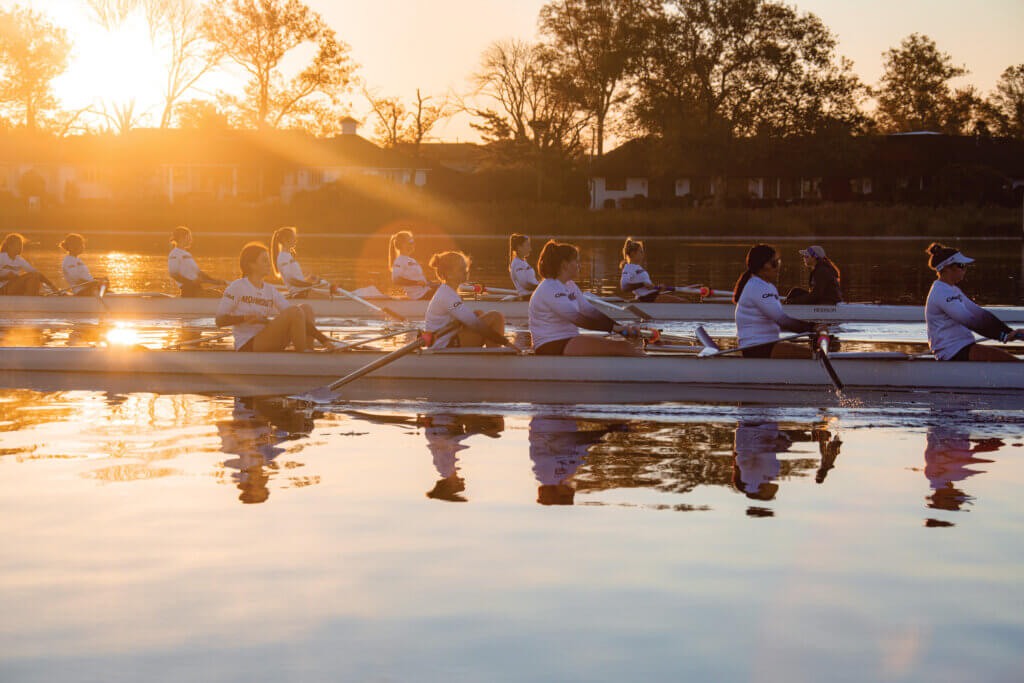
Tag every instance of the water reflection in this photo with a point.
(558, 448)
(445, 436)
(949, 455)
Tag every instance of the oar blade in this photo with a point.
(709, 344)
(320, 396)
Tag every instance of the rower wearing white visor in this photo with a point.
(759, 315)
(183, 268)
(558, 309)
(405, 271)
(636, 280)
(261, 319)
(76, 273)
(952, 317)
(477, 328)
(286, 266)
(524, 278)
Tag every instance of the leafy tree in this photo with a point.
(1004, 108)
(196, 114)
(257, 35)
(33, 52)
(915, 93)
(595, 42)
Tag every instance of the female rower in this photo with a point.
(637, 281)
(524, 278)
(248, 304)
(759, 316)
(183, 268)
(76, 273)
(823, 282)
(404, 269)
(952, 317)
(558, 309)
(282, 253)
(478, 329)
(17, 276)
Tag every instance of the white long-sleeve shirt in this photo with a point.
(10, 267)
(951, 318)
(406, 267)
(759, 314)
(633, 274)
(445, 307)
(182, 266)
(558, 310)
(241, 297)
(291, 272)
(524, 278)
(76, 273)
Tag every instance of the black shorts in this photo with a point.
(760, 351)
(964, 353)
(553, 348)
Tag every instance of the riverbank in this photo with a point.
(499, 219)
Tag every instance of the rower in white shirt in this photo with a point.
(76, 273)
(405, 271)
(286, 267)
(759, 315)
(17, 276)
(635, 279)
(446, 306)
(260, 317)
(953, 318)
(558, 309)
(183, 268)
(524, 278)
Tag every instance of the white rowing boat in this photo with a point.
(483, 375)
(156, 307)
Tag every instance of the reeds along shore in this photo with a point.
(502, 218)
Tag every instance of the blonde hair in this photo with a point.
(399, 237)
(444, 262)
(630, 247)
(277, 245)
(179, 234)
(515, 241)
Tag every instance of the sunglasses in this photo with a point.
(961, 266)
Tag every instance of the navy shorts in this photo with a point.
(553, 348)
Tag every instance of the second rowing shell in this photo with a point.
(156, 307)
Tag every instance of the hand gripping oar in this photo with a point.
(711, 349)
(821, 353)
(383, 310)
(329, 394)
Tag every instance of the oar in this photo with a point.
(711, 349)
(389, 335)
(703, 290)
(821, 352)
(606, 306)
(328, 393)
(483, 289)
(383, 310)
(200, 340)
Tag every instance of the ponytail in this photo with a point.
(553, 255)
(277, 246)
(400, 236)
(630, 247)
(179, 235)
(73, 244)
(515, 240)
(757, 257)
(833, 267)
(938, 253)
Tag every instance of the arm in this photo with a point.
(589, 317)
(226, 316)
(977, 319)
(772, 308)
(470, 319)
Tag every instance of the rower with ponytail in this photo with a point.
(405, 271)
(524, 278)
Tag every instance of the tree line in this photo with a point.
(690, 72)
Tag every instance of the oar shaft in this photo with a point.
(391, 357)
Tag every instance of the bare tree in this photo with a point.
(411, 124)
(121, 116)
(390, 114)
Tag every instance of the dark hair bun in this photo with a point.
(934, 248)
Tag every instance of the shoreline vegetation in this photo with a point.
(502, 218)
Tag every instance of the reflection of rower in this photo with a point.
(948, 455)
(557, 449)
(757, 464)
(254, 434)
(445, 434)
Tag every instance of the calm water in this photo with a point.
(881, 272)
(179, 538)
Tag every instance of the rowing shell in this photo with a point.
(173, 307)
(493, 376)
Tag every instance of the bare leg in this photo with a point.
(287, 328)
(599, 346)
(991, 355)
(26, 284)
(471, 338)
(311, 330)
(790, 350)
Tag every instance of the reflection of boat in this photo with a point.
(165, 307)
(757, 445)
(558, 448)
(445, 434)
(466, 375)
(948, 456)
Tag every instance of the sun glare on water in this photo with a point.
(122, 334)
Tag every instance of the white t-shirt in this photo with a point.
(524, 278)
(758, 313)
(948, 313)
(446, 306)
(76, 273)
(242, 298)
(632, 274)
(182, 266)
(406, 267)
(554, 308)
(10, 267)
(290, 272)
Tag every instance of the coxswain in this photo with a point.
(183, 268)
(405, 271)
(478, 328)
(558, 309)
(524, 277)
(260, 317)
(286, 267)
(823, 281)
(17, 276)
(759, 315)
(952, 317)
(76, 273)
(637, 281)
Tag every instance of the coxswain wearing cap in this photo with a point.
(558, 309)
(759, 315)
(952, 316)
(76, 273)
(286, 267)
(446, 306)
(823, 281)
(260, 317)
(635, 279)
(183, 268)
(405, 271)
(17, 276)
(524, 277)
